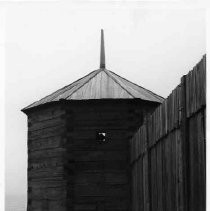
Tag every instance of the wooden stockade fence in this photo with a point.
(168, 151)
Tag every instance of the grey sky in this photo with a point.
(49, 45)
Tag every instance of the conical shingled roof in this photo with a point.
(100, 84)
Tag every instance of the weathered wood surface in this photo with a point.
(171, 143)
(99, 84)
(46, 150)
(67, 163)
(100, 168)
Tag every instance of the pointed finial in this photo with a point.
(102, 56)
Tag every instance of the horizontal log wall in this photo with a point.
(68, 168)
(168, 151)
(46, 155)
(98, 171)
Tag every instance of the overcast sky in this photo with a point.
(49, 45)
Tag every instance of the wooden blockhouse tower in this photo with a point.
(78, 143)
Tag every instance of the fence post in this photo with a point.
(148, 158)
(185, 149)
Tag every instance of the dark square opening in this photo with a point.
(101, 136)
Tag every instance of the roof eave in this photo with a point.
(27, 109)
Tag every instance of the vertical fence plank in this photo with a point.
(201, 160)
(179, 173)
(146, 182)
(159, 178)
(173, 170)
(153, 179)
(184, 137)
(168, 151)
(146, 175)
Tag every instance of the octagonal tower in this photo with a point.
(78, 142)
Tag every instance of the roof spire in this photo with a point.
(102, 55)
